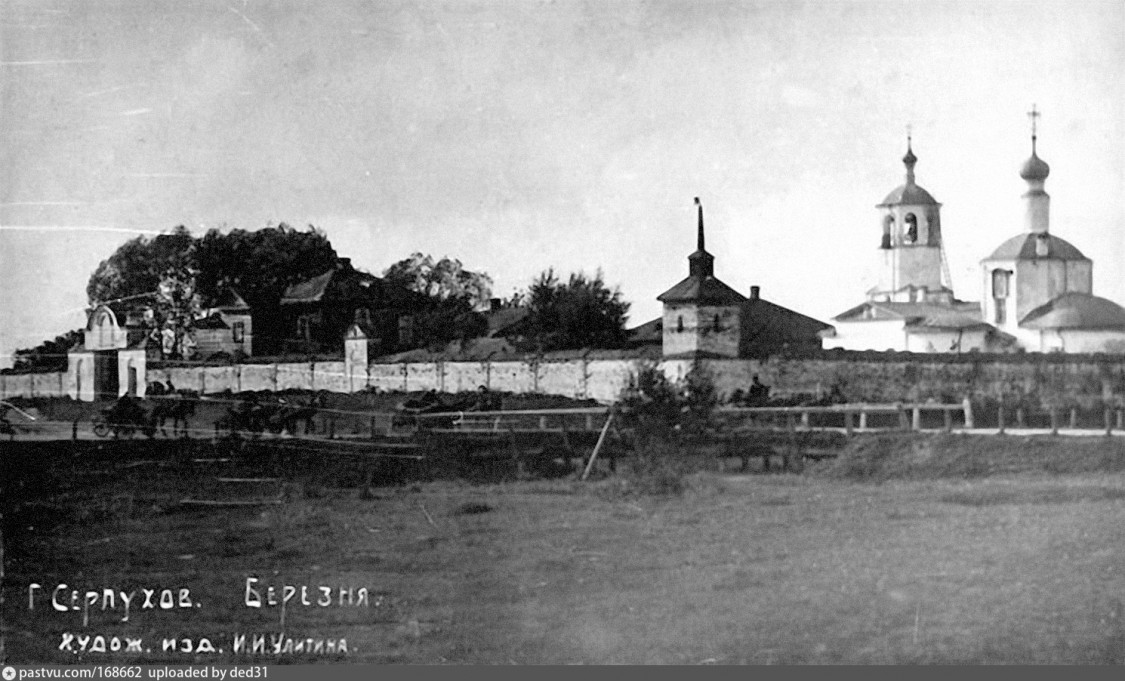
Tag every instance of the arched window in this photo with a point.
(910, 229)
(888, 227)
(1001, 283)
(680, 323)
(715, 324)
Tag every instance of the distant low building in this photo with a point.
(226, 329)
(317, 313)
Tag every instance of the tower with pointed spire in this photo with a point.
(910, 248)
(702, 315)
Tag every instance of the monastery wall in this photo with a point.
(1037, 381)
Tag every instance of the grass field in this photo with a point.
(906, 549)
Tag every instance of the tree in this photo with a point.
(48, 356)
(582, 313)
(442, 279)
(261, 264)
(178, 273)
(451, 296)
(160, 269)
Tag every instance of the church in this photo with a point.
(1036, 286)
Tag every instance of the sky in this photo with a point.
(521, 135)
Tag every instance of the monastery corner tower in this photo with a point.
(702, 315)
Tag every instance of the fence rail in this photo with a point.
(909, 414)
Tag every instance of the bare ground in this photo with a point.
(963, 556)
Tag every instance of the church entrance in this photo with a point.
(105, 375)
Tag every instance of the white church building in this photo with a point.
(1036, 286)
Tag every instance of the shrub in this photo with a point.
(667, 419)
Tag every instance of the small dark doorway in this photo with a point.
(105, 375)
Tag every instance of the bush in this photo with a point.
(667, 420)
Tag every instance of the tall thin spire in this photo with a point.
(1034, 116)
(699, 205)
(701, 263)
(910, 159)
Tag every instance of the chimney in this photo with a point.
(755, 292)
(343, 263)
(494, 304)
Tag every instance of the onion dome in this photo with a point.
(909, 194)
(1034, 168)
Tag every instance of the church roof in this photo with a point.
(1023, 247)
(959, 315)
(909, 195)
(1076, 311)
(702, 291)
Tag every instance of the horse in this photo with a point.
(180, 406)
(287, 416)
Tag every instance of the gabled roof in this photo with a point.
(505, 320)
(1024, 247)
(215, 321)
(781, 321)
(1076, 311)
(310, 290)
(959, 315)
(651, 331)
(230, 301)
(702, 291)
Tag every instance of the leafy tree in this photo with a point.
(443, 279)
(582, 313)
(451, 295)
(260, 264)
(140, 265)
(48, 356)
(161, 269)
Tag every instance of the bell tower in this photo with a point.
(910, 256)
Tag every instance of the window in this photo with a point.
(1000, 281)
(680, 323)
(888, 226)
(1001, 284)
(303, 327)
(237, 331)
(910, 229)
(715, 324)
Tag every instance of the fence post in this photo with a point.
(1108, 422)
(862, 419)
(1000, 418)
(902, 423)
(372, 427)
(947, 415)
(916, 418)
(1074, 417)
(1054, 421)
(804, 419)
(848, 422)
(967, 406)
(74, 430)
(1019, 417)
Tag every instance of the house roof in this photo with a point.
(651, 331)
(230, 301)
(781, 321)
(1076, 311)
(215, 321)
(703, 291)
(960, 315)
(310, 290)
(505, 320)
(1024, 247)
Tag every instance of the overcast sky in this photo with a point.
(522, 135)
